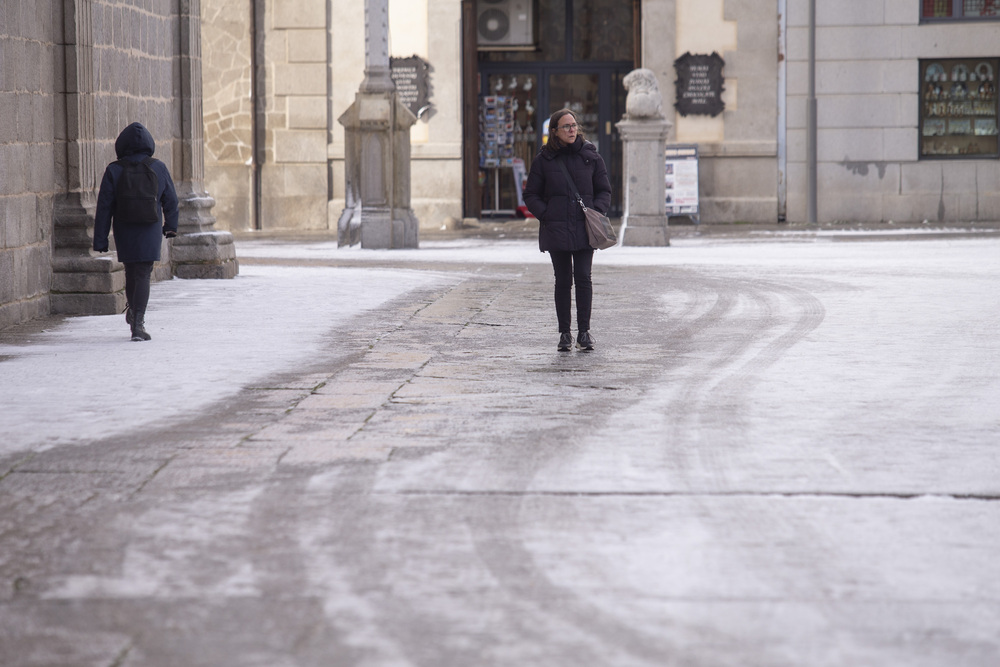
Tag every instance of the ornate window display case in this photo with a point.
(959, 108)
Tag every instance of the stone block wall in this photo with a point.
(73, 74)
(294, 173)
(227, 75)
(867, 89)
(29, 50)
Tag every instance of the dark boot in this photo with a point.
(139, 326)
(565, 341)
(128, 314)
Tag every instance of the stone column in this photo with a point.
(377, 150)
(644, 132)
(83, 283)
(199, 251)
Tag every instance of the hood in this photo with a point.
(134, 139)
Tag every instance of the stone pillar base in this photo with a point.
(377, 174)
(204, 255)
(85, 285)
(380, 229)
(83, 282)
(199, 251)
(644, 142)
(646, 231)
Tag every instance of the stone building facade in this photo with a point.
(906, 98)
(280, 75)
(72, 74)
(870, 91)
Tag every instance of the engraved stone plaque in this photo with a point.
(699, 85)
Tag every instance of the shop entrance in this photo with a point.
(581, 52)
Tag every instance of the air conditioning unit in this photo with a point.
(505, 24)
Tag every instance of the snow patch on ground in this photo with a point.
(85, 379)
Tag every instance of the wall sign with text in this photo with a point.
(699, 84)
(412, 78)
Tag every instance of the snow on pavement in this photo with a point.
(85, 379)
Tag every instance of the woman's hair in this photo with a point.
(554, 142)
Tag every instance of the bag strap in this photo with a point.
(572, 183)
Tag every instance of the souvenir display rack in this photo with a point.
(496, 148)
(959, 108)
(507, 140)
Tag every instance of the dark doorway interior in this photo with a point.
(581, 51)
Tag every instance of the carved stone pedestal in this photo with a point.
(644, 133)
(644, 142)
(377, 162)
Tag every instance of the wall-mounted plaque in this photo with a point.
(699, 84)
(412, 78)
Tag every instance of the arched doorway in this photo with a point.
(573, 54)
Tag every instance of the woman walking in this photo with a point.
(562, 231)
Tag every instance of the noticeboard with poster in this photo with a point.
(959, 108)
(682, 181)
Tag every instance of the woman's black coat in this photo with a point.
(134, 243)
(549, 196)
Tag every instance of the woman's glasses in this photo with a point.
(568, 127)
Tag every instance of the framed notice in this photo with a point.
(682, 181)
(700, 85)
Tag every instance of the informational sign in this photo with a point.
(682, 181)
(412, 78)
(699, 85)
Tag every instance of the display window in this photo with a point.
(959, 108)
(965, 10)
(581, 51)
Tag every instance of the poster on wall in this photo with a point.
(682, 181)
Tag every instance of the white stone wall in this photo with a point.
(867, 87)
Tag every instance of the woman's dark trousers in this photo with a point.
(573, 267)
(137, 275)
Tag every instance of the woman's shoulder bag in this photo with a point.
(600, 233)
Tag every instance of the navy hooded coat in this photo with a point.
(549, 196)
(134, 243)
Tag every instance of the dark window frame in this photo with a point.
(957, 14)
(941, 110)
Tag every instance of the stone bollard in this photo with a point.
(644, 132)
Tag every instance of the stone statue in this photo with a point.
(644, 99)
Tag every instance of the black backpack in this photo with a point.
(136, 193)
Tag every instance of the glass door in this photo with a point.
(579, 93)
(598, 100)
(585, 48)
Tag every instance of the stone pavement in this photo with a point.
(440, 488)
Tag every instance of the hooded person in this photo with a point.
(126, 207)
